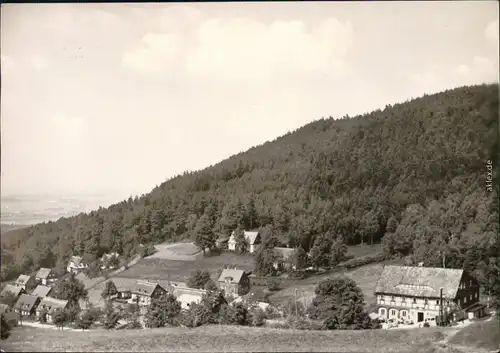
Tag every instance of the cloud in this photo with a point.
(491, 32)
(245, 49)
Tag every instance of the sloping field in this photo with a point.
(366, 277)
(156, 269)
(481, 334)
(222, 338)
(178, 251)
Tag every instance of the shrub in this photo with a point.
(273, 285)
(5, 328)
(257, 317)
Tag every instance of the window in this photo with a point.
(393, 312)
(426, 301)
(437, 302)
(471, 297)
(414, 300)
(403, 313)
(403, 299)
(392, 298)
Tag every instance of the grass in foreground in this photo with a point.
(481, 334)
(222, 338)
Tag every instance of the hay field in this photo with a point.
(222, 338)
(154, 268)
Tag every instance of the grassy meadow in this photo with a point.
(222, 338)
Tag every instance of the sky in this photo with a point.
(117, 98)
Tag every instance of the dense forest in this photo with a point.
(412, 176)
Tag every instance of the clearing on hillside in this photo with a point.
(222, 338)
(177, 251)
(156, 268)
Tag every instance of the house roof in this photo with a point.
(185, 299)
(22, 279)
(419, 281)
(234, 274)
(76, 260)
(178, 291)
(285, 252)
(50, 303)
(250, 236)
(26, 302)
(13, 289)
(145, 288)
(41, 291)
(43, 273)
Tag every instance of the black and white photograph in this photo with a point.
(268, 176)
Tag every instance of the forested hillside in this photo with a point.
(412, 176)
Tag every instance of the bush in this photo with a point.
(301, 323)
(5, 328)
(273, 285)
(257, 317)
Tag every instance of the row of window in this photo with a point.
(403, 300)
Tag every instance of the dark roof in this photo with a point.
(26, 302)
(50, 303)
(43, 273)
(234, 274)
(475, 307)
(419, 281)
(145, 288)
(13, 289)
(41, 291)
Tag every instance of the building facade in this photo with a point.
(144, 292)
(234, 282)
(253, 239)
(423, 294)
(76, 265)
(45, 276)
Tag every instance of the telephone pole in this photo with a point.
(296, 311)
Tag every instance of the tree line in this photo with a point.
(411, 176)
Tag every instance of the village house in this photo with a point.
(234, 282)
(76, 264)
(284, 255)
(253, 239)
(186, 295)
(26, 282)
(26, 305)
(418, 294)
(42, 291)
(143, 292)
(15, 291)
(45, 276)
(109, 261)
(50, 305)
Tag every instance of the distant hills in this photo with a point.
(411, 175)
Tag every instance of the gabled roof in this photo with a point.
(43, 273)
(22, 279)
(13, 289)
(234, 274)
(285, 252)
(250, 236)
(76, 260)
(50, 304)
(145, 288)
(419, 281)
(41, 291)
(26, 302)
